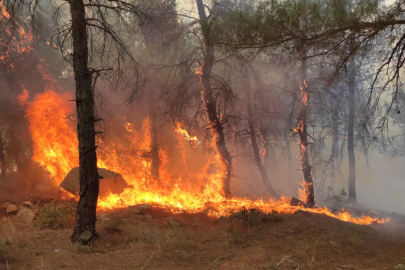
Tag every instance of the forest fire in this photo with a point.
(55, 148)
(197, 133)
(52, 126)
(185, 134)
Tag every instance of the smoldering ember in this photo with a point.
(182, 134)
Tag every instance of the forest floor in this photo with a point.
(161, 240)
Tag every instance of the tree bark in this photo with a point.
(256, 151)
(2, 159)
(286, 138)
(154, 147)
(350, 132)
(334, 153)
(303, 134)
(148, 35)
(84, 231)
(215, 123)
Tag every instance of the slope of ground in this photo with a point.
(161, 240)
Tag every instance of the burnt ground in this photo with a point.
(161, 240)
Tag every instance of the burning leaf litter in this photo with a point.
(55, 148)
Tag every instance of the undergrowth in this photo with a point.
(54, 217)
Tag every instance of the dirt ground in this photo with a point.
(161, 240)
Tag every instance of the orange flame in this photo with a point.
(55, 148)
(22, 99)
(3, 12)
(185, 134)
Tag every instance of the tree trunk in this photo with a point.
(215, 123)
(2, 159)
(303, 134)
(252, 132)
(154, 147)
(84, 231)
(350, 132)
(148, 35)
(334, 153)
(286, 138)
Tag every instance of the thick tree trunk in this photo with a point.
(215, 123)
(303, 134)
(84, 231)
(154, 147)
(2, 159)
(256, 151)
(350, 133)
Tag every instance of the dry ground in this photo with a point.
(154, 241)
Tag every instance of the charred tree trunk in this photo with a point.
(84, 231)
(253, 140)
(215, 123)
(350, 132)
(266, 146)
(287, 141)
(154, 147)
(148, 35)
(303, 134)
(334, 153)
(2, 159)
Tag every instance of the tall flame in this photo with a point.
(55, 148)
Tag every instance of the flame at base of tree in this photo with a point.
(55, 148)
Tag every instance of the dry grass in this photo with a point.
(54, 216)
(129, 241)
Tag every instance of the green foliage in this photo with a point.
(54, 217)
(294, 22)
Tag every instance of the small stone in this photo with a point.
(27, 204)
(11, 208)
(57, 250)
(400, 266)
(209, 210)
(26, 215)
(6, 205)
(174, 223)
(297, 202)
(103, 217)
(298, 211)
(222, 219)
(86, 235)
(140, 208)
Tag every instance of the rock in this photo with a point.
(27, 204)
(6, 205)
(297, 202)
(209, 210)
(57, 250)
(140, 208)
(298, 211)
(174, 223)
(103, 218)
(222, 219)
(85, 236)
(25, 215)
(400, 266)
(238, 215)
(11, 208)
(110, 181)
